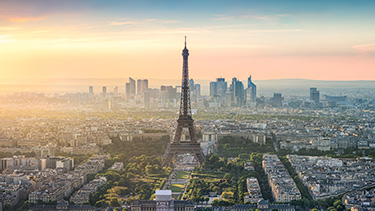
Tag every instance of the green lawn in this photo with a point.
(209, 175)
(182, 175)
(177, 187)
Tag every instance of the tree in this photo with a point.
(149, 169)
(340, 208)
(207, 199)
(227, 176)
(207, 209)
(227, 195)
(125, 209)
(215, 203)
(331, 209)
(337, 203)
(114, 202)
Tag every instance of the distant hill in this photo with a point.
(306, 83)
(265, 87)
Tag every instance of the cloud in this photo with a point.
(160, 21)
(273, 30)
(257, 17)
(120, 23)
(265, 17)
(222, 17)
(365, 49)
(169, 21)
(5, 39)
(249, 16)
(24, 19)
(8, 28)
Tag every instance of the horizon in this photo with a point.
(171, 79)
(266, 87)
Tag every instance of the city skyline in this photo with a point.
(308, 40)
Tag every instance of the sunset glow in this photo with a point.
(279, 39)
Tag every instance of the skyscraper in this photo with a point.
(277, 100)
(238, 93)
(222, 87)
(218, 88)
(146, 99)
(139, 86)
(145, 85)
(91, 90)
(213, 89)
(195, 91)
(251, 90)
(132, 86)
(127, 91)
(191, 83)
(172, 92)
(104, 91)
(197, 88)
(142, 85)
(314, 95)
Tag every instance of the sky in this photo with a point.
(273, 39)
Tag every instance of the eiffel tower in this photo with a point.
(185, 120)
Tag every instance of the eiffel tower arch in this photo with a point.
(185, 120)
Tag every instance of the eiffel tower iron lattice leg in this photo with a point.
(185, 120)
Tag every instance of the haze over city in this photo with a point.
(187, 105)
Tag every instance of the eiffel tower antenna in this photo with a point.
(185, 120)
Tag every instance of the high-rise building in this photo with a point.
(251, 90)
(164, 97)
(145, 84)
(146, 99)
(104, 91)
(314, 95)
(213, 89)
(127, 91)
(91, 90)
(142, 85)
(191, 83)
(197, 89)
(277, 100)
(238, 93)
(231, 88)
(139, 86)
(222, 87)
(115, 90)
(172, 91)
(218, 88)
(132, 86)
